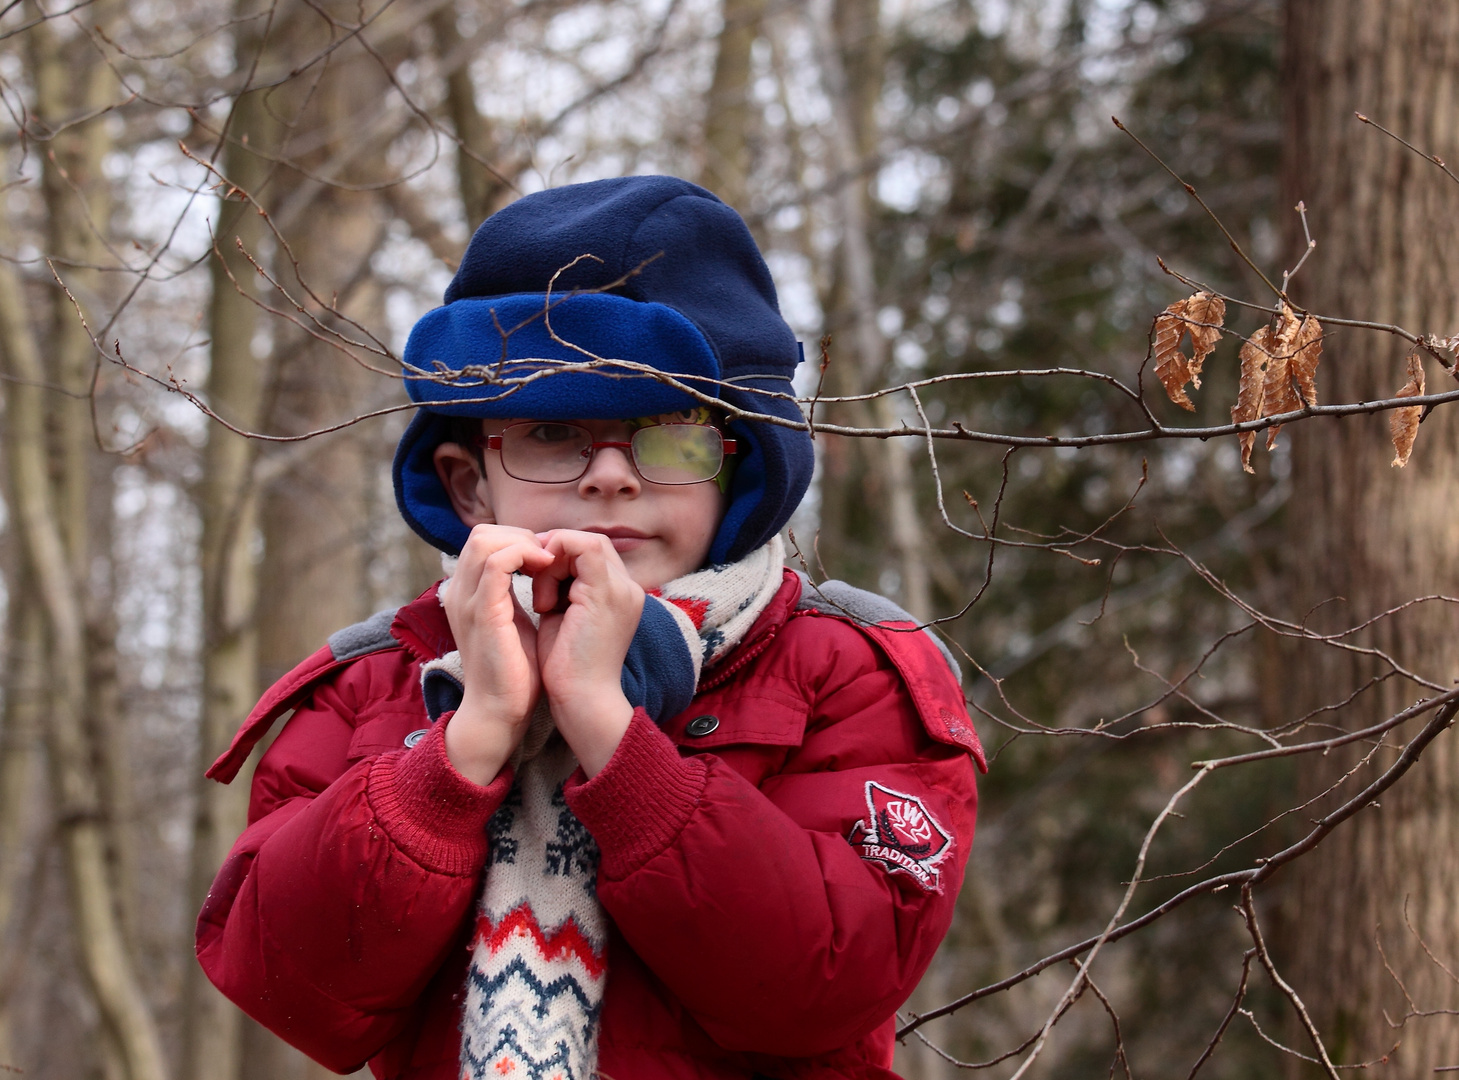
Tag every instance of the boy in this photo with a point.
(622, 797)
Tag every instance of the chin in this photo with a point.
(649, 578)
(653, 573)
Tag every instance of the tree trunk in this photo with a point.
(22, 794)
(1387, 226)
(479, 188)
(228, 505)
(71, 81)
(52, 480)
(315, 513)
(727, 123)
(851, 53)
(106, 960)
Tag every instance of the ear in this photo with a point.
(464, 483)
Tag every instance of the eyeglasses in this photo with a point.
(551, 452)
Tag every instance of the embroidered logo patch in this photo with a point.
(902, 836)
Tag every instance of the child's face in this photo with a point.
(661, 531)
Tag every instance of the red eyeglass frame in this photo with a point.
(730, 447)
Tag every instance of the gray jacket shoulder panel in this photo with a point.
(838, 598)
(369, 636)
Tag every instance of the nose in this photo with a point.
(610, 472)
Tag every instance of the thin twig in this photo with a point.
(1264, 868)
(1254, 928)
(1288, 275)
(1400, 139)
(1236, 1001)
(1191, 191)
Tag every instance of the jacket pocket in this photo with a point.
(764, 713)
(381, 733)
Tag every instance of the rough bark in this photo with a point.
(58, 491)
(228, 505)
(315, 514)
(1386, 222)
(106, 961)
(851, 54)
(729, 118)
(479, 188)
(22, 794)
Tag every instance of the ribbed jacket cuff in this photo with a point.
(640, 801)
(433, 813)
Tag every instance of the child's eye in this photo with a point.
(552, 433)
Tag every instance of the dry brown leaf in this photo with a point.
(1173, 367)
(1303, 365)
(1278, 395)
(1203, 308)
(1403, 423)
(1250, 391)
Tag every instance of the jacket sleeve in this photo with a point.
(771, 911)
(343, 896)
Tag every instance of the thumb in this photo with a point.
(525, 630)
(547, 631)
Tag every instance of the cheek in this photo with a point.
(698, 515)
(516, 503)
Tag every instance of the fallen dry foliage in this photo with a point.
(1403, 423)
(1303, 367)
(1291, 371)
(1200, 316)
(1250, 391)
(1278, 396)
(1278, 364)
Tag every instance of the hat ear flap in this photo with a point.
(419, 493)
(771, 475)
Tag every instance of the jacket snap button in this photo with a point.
(414, 737)
(701, 726)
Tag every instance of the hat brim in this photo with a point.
(587, 356)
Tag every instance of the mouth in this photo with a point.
(623, 538)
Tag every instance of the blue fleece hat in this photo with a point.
(690, 297)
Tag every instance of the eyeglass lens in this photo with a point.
(557, 453)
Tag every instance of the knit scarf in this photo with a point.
(539, 955)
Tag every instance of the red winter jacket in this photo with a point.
(779, 862)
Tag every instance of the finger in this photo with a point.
(519, 557)
(551, 584)
(549, 593)
(526, 634)
(552, 543)
(486, 540)
(547, 632)
(564, 595)
(485, 583)
(483, 542)
(600, 577)
(582, 554)
(498, 535)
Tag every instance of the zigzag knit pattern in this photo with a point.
(539, 957)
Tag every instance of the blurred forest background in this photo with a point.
(254, 199)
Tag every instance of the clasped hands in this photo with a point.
(574, 656)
